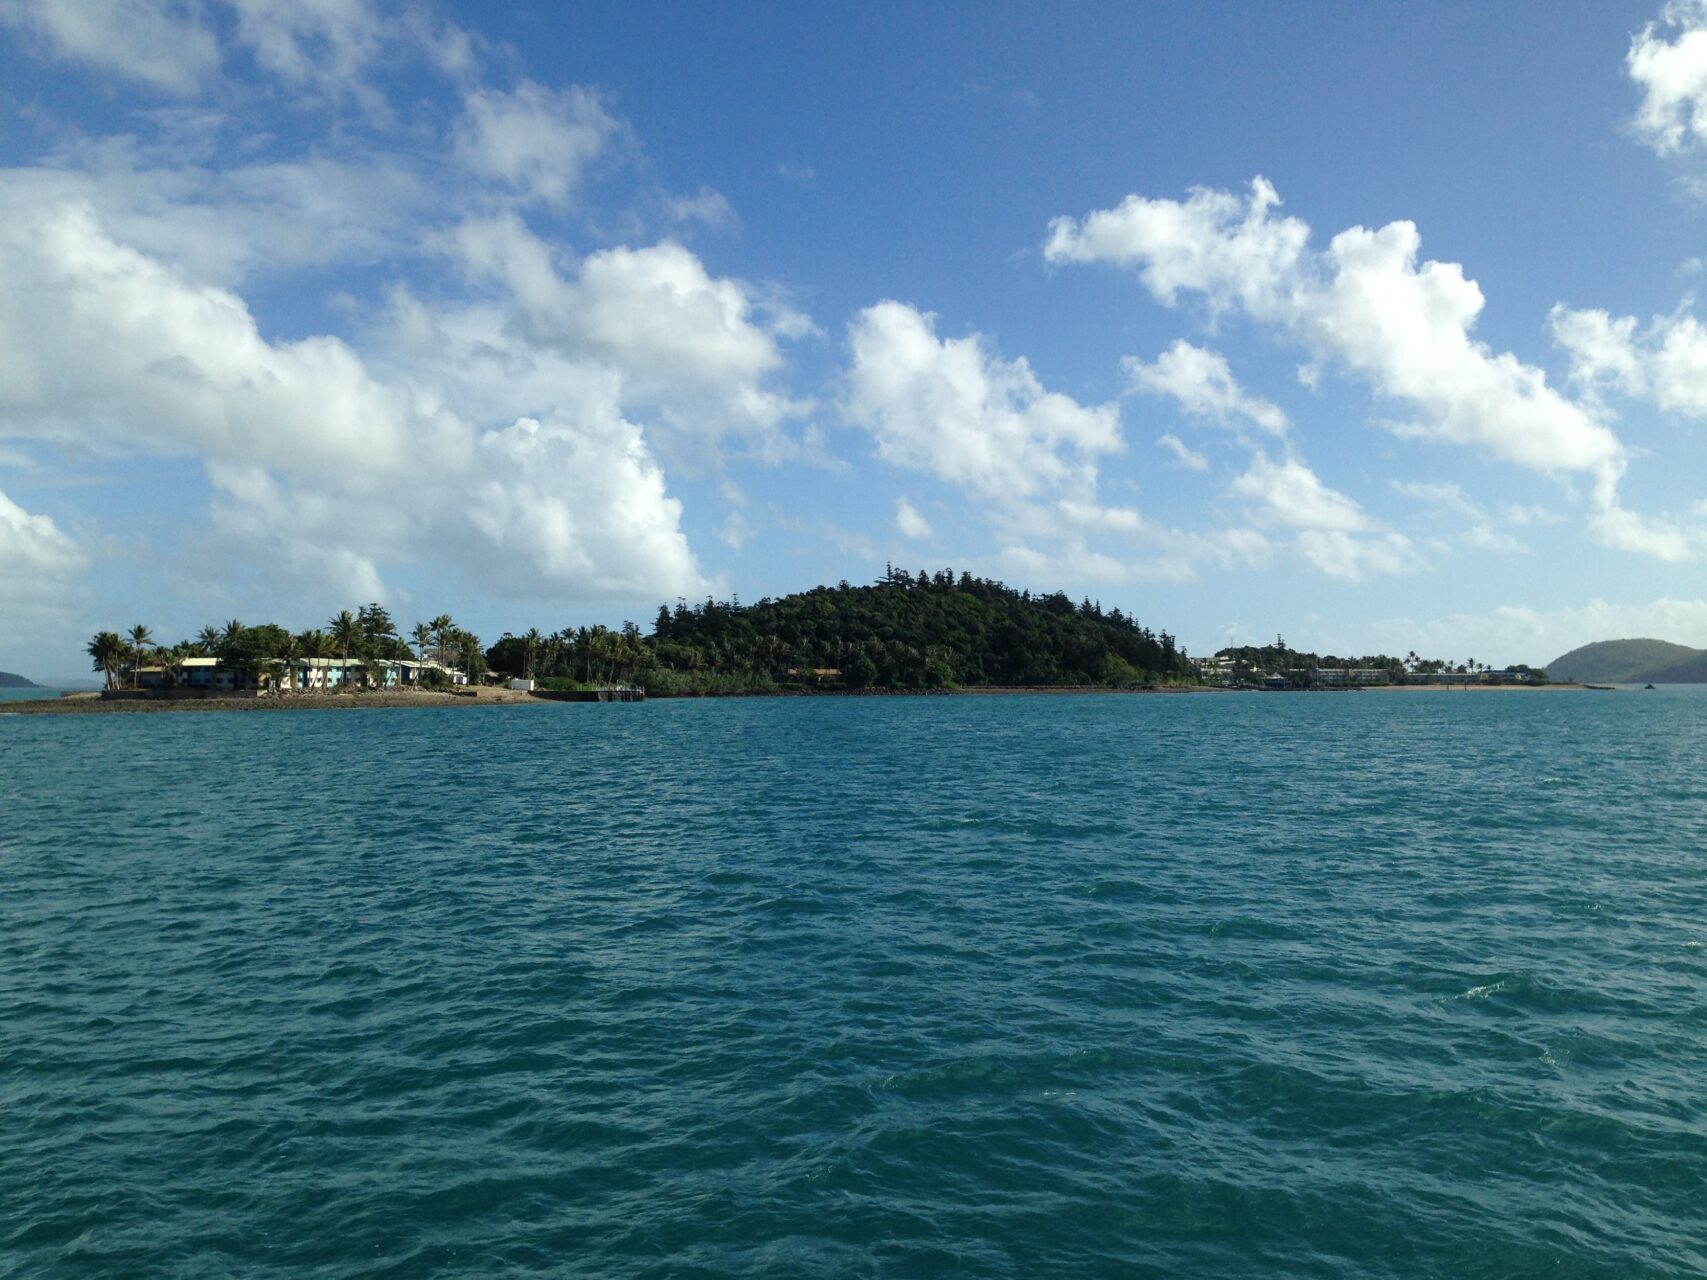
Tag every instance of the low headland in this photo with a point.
(906, 633)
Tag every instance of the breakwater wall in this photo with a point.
(591, 695)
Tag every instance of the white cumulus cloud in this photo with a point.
(1330, 530)
(317, 459)
(1662, 537)
(1668, 62)
(911, 523)
(41, 568)
(1666, 362)
(106, 344)
(536, 141)
(1213, 243)
(689, 345)
(1183, 453)
(1367, 305)
(322, 48)
(707, 206)
(1364, 302)
(952, 408)
(1202, 383)
(165, 46)
(1289, 494)
(34, 554)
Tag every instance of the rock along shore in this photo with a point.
(93, 703)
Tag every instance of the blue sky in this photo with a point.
(1373, 326)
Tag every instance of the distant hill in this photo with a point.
(906, 631)
(10, 681)
(1631, 662)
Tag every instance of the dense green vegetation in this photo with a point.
(367, 635)
(906, 631)
(1632, 662)
(1252, 662)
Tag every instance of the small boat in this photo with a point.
(1647, 686)
(1603, 688)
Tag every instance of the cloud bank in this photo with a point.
(1368, 306)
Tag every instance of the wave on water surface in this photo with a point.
(1325, 987)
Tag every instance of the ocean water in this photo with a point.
(1367, 985)
(19, 695)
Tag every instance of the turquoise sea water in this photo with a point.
(1244, 986)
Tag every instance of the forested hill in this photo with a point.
(10, 681)
(1632, 662)
(906, 631)
(918, 631)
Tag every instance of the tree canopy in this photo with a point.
(365, 635)
(905, 631)
(1300, 666)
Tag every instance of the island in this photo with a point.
(1278, 666)
(904, 633)
(907, 632)
(1631, 662)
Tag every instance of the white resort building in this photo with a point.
(208, 675)
(387, 673)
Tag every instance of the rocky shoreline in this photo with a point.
(93, 703)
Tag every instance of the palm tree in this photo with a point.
(468, 649)
(289, 651)
(530, 642)
(140, 639)
(107, 649)
(422, 633)
(207, 640)
(345, 632)
(312, 644)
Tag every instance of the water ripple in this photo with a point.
(1293, 986)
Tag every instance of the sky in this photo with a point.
(1371, 326)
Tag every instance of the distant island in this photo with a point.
(8, 680)
(1279, 666)
(1632, 662)
(906, 632)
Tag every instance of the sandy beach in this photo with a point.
(1478, 688)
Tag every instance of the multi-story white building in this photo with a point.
(304, 675)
